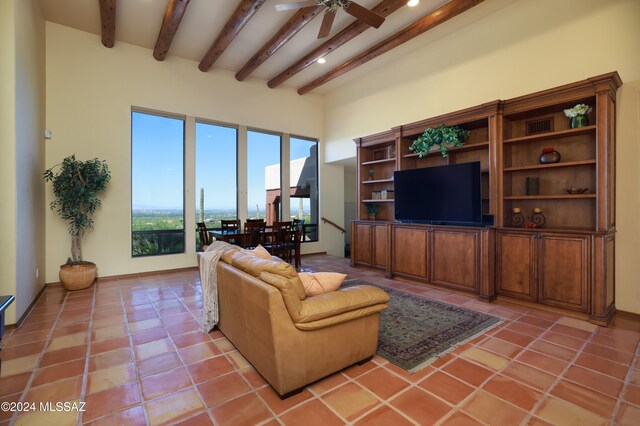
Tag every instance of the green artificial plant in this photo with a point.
(76, 186)
(442, 137)
(372, 209)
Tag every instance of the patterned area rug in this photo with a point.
(415, 331)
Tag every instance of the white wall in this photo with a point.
(90, 91)
(523, 47)
(22, 79)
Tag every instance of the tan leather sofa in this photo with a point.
(291, 340)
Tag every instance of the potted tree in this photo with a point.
(76, 186)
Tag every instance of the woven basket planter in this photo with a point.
(77, 277)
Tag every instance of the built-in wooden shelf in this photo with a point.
(369, 182)
(384, 160)
(378, 201)
(549, 197)
(470, 147)
(552, 135)
(551, 166)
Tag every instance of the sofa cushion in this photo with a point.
(321, 282)
(289, 294)
(253, 265)
(338, 302)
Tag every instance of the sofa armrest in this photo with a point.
(340, 318)
(339, 302)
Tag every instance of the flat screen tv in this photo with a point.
(443, 195)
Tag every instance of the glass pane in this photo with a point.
(304, 185)
(263, 176)
(157, 184)
(216, 175)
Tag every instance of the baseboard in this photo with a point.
(24, 316)
(136, 274)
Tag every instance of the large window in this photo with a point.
(303, 156)
(157, 184)
(263, 176)
(216, 174)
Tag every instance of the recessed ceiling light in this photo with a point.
(412, 3)
(322, 60)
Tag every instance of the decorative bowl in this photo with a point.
(575, 190)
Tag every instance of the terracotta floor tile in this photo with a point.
(20, 351)
(594, 380)
(632, 394)
(150, 335)
(468, 372)
(446, 387)
(46, 418)
(492, 410)
(513, 337)
(487, 359)
(237, 360)
(571, 331)
(526, 329)
(579, 324)
(157, 347)
(609, 353)
(12, 384)
(586, 398)
(513, 392)
(383, 416)
(350, 401)
(189, 339)
(420, 406)
(5, 415)
(109, 359)
(173, 407)
(63, 390)
(555, 351)
(182, 327)
(224, 345)
(245, 410)
(134, 416)
(328, 383)
(413, 377)
(256, 381)
(278, 405)
(535, 321)
(312, 413)
(529, 376)
(602, 365)
(382, 383)
(24, 338)
(501, 347)
(559, 412)
(147, 324)
(108, 322)
(111, 400)
(70, 329)
(201, 419)
(198, 352)
(18, 365)
(59, 372)
(543, 362)
(563, 340)
(111, 332)
(110, 345)
(628, 415)
(209, 368)
(615, 343)
(222, 389)
(110, 377)
(459, 418)
(164, 383)
(158, 363)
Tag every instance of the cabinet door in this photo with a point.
(564, 271)
(380, 246)
(515, 265)
(455, 258)
(363, 247)
(410, 251)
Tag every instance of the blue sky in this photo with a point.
(158, 158)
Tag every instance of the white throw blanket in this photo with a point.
(209, 282)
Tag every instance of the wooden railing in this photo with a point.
(335, 225)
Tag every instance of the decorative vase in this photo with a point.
(550, 157)
(579, 121)
(371, 216)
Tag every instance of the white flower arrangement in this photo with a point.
(580, 109)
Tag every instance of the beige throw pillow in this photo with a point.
(320, 282)
(261, 252)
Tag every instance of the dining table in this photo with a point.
(235, 235)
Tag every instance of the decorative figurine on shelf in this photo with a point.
(549, 155)
(371, 171)
(578, 115)
(517, 218)
(538, 217)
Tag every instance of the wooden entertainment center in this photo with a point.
(569, 262)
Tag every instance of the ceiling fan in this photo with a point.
(352, 8)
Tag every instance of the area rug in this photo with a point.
(415, 331)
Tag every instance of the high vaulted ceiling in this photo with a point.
(139, 22)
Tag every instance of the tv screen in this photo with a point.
(444, 195)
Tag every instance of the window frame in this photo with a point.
(317, 142)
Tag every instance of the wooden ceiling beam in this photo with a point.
(244, 12)
(170, 23)
(357, 27)
(431, 20)
(288, 30)
(108, 22)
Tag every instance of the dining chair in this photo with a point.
(283, 242)
(203, 233)
(231, 227)
(254, 234)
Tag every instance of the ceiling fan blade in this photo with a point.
(327, 22)
(364, 14)
(298, 5)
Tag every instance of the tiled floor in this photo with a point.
(131, 350)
